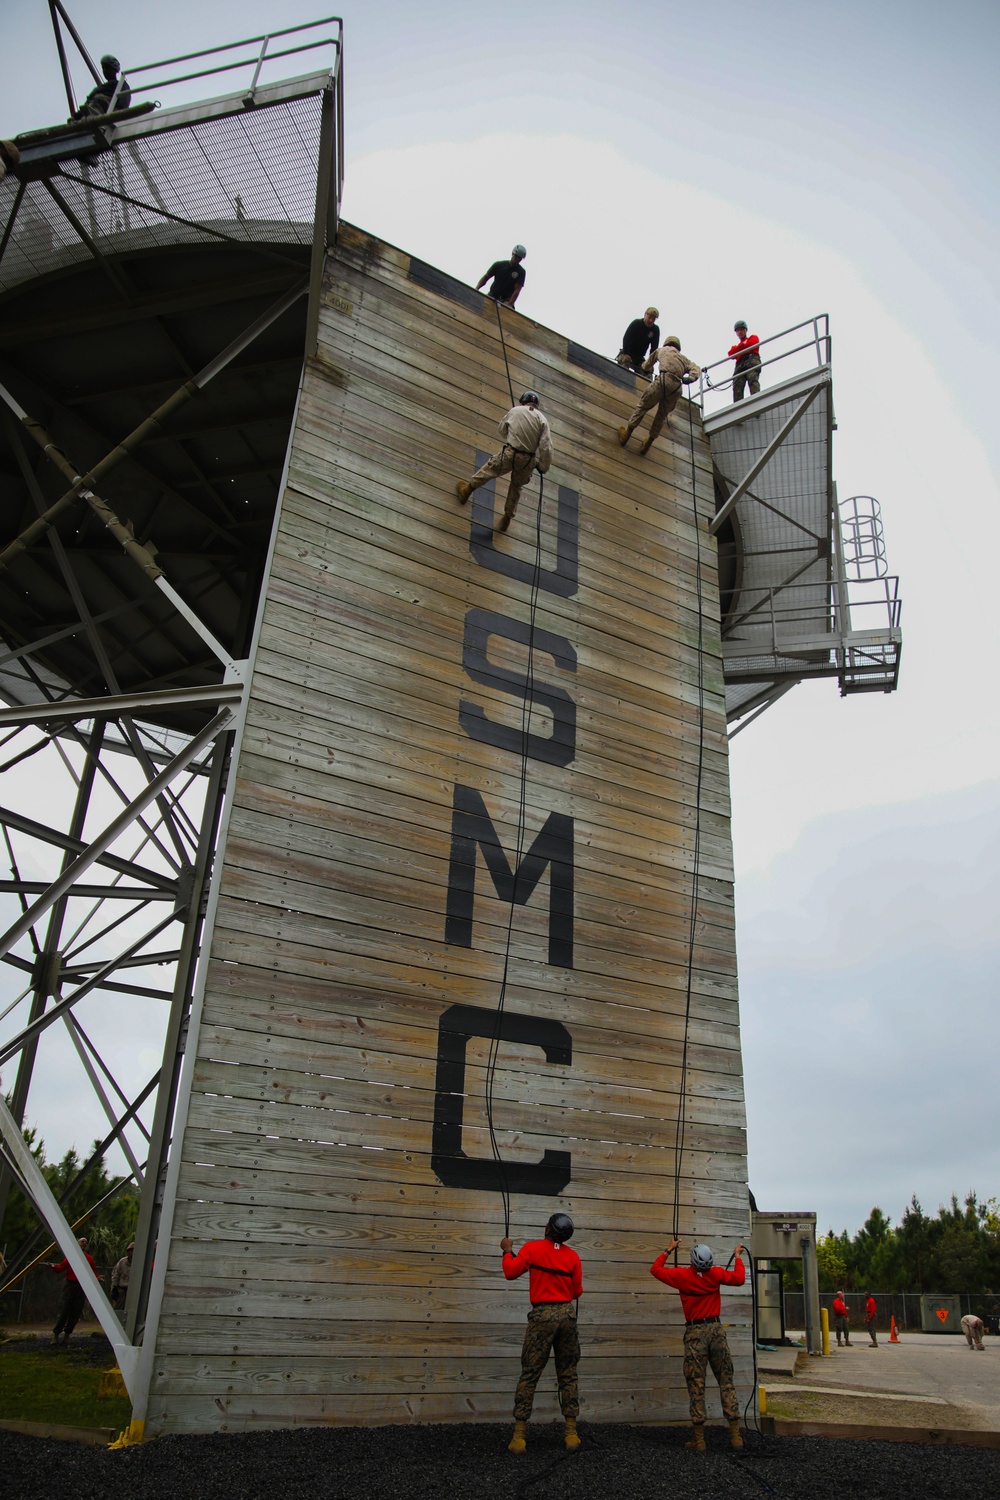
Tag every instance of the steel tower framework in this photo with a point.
(159, 273)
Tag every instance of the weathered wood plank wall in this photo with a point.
(332, 1259)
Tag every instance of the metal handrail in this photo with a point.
(255, 61)
(820, 342)
(772, 608)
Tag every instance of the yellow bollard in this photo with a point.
(824, 1323)
(762, 1399)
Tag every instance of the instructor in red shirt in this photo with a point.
(705, 1341)
(746, 353)
(72, 1301)
(555, 1281)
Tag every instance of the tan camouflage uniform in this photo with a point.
(706, 1344)
(527, 444)
(664, 389)
(551, 1325)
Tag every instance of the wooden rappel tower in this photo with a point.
(430, 826)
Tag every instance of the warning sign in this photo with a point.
(943, 1313)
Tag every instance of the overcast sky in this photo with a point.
(770, 161)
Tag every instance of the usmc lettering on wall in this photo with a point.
(477, 852)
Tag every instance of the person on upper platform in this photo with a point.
(507, 277)
(747, 356)
(555, 1281)
(527, 445)
(675, 370)
(705, 1341)
(640, 337)
(98, 101)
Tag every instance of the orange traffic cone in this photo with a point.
(893, 1335)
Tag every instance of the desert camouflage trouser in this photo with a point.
(706, 1344)
(550, 1326)
(663, 392)
(512, 461)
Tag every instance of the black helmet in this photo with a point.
(560, 1228)
(530, 398)
(110, 66)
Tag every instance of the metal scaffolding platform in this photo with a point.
(804, 580)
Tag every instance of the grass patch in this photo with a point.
(42, 1384)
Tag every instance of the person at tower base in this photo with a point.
(972, 1327)
(841, 1320)
(555, 1282)
(98, 101)
(639, 339)
(527, 445)
(747, 356)
(705, 1341)
(73, 1298)
(663, 392)
(507, 277)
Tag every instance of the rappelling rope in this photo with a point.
(503, 345)
(491, 1062)
(681, 1129)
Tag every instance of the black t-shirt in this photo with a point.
(637, 340)
(506, 277)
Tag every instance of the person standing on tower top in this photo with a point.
(526, 446)
(98, 101)
(705, 1341)
(640, 337)
(507, 277)
(746, 353)
(555, 1282)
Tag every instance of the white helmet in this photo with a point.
(519, 250)
(702, 1258)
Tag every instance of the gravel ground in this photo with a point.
(471, 1463)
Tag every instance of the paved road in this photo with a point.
(921, 1364)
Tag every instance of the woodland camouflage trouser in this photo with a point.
(706, 1344)
(552, 1325)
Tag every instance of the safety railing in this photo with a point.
(257, 55)
(799, 619)
(802, 347)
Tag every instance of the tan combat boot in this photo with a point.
(463, 490)
(572, 1436)
(646, 447)
(519, 1441)
(623, 435)
(696, 1443)
(735, 1441)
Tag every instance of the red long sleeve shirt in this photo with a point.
(743, 346)
(554, 1271)
(840, 1307)
(870, 1308)
(65, 1269)
(700, 1296)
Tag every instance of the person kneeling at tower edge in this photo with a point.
(705, 1341)
(663, 392)
(555, 1280)
(526, 446)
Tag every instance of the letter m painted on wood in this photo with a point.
(471, 826)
